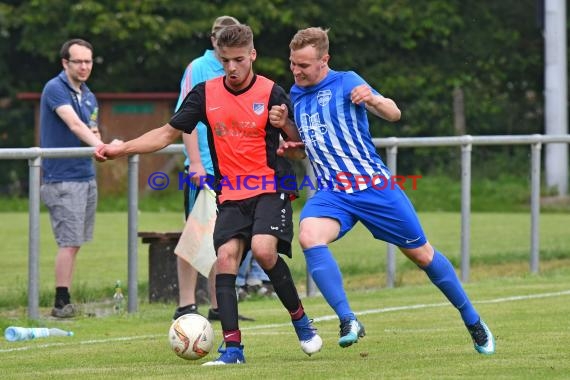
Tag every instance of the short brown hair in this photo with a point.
(64, 51)
(315, 37)
(235, 36)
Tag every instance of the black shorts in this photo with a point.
(269, 214)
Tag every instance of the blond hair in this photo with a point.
(315, 37)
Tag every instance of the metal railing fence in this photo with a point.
(392, 144)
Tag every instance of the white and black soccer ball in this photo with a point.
(191, 336)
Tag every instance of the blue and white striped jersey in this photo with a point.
(336, 133)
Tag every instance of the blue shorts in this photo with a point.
(387, 213)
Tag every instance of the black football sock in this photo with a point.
(62, 296)
(280, 277)
(227, 301)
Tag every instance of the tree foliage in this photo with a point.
(416, 52)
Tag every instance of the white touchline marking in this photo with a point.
(318, 319)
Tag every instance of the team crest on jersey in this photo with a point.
(258, 108)
(323, 97)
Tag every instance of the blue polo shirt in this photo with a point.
(54, 133)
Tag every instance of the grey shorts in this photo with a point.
(71, 208)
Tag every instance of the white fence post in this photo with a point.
(392, 162)
(535, 207)
(34, 238)
(132, 234)
(465, 208)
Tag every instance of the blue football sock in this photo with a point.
(325, 272)
(441, 273)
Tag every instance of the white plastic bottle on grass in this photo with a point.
(13, 334)
(118, 298)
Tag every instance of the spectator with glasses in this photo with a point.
(69, 119)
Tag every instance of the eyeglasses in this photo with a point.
(80, 61)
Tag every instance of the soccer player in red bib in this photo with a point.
(254, 185)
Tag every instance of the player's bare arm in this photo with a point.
(151, 141)
(193, 150)
(292, 148)
(279, 118)
(379, 105)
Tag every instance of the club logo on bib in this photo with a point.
(258, 108)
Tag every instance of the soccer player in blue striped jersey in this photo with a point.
(331, 112)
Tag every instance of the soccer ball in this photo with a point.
(191, 336)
